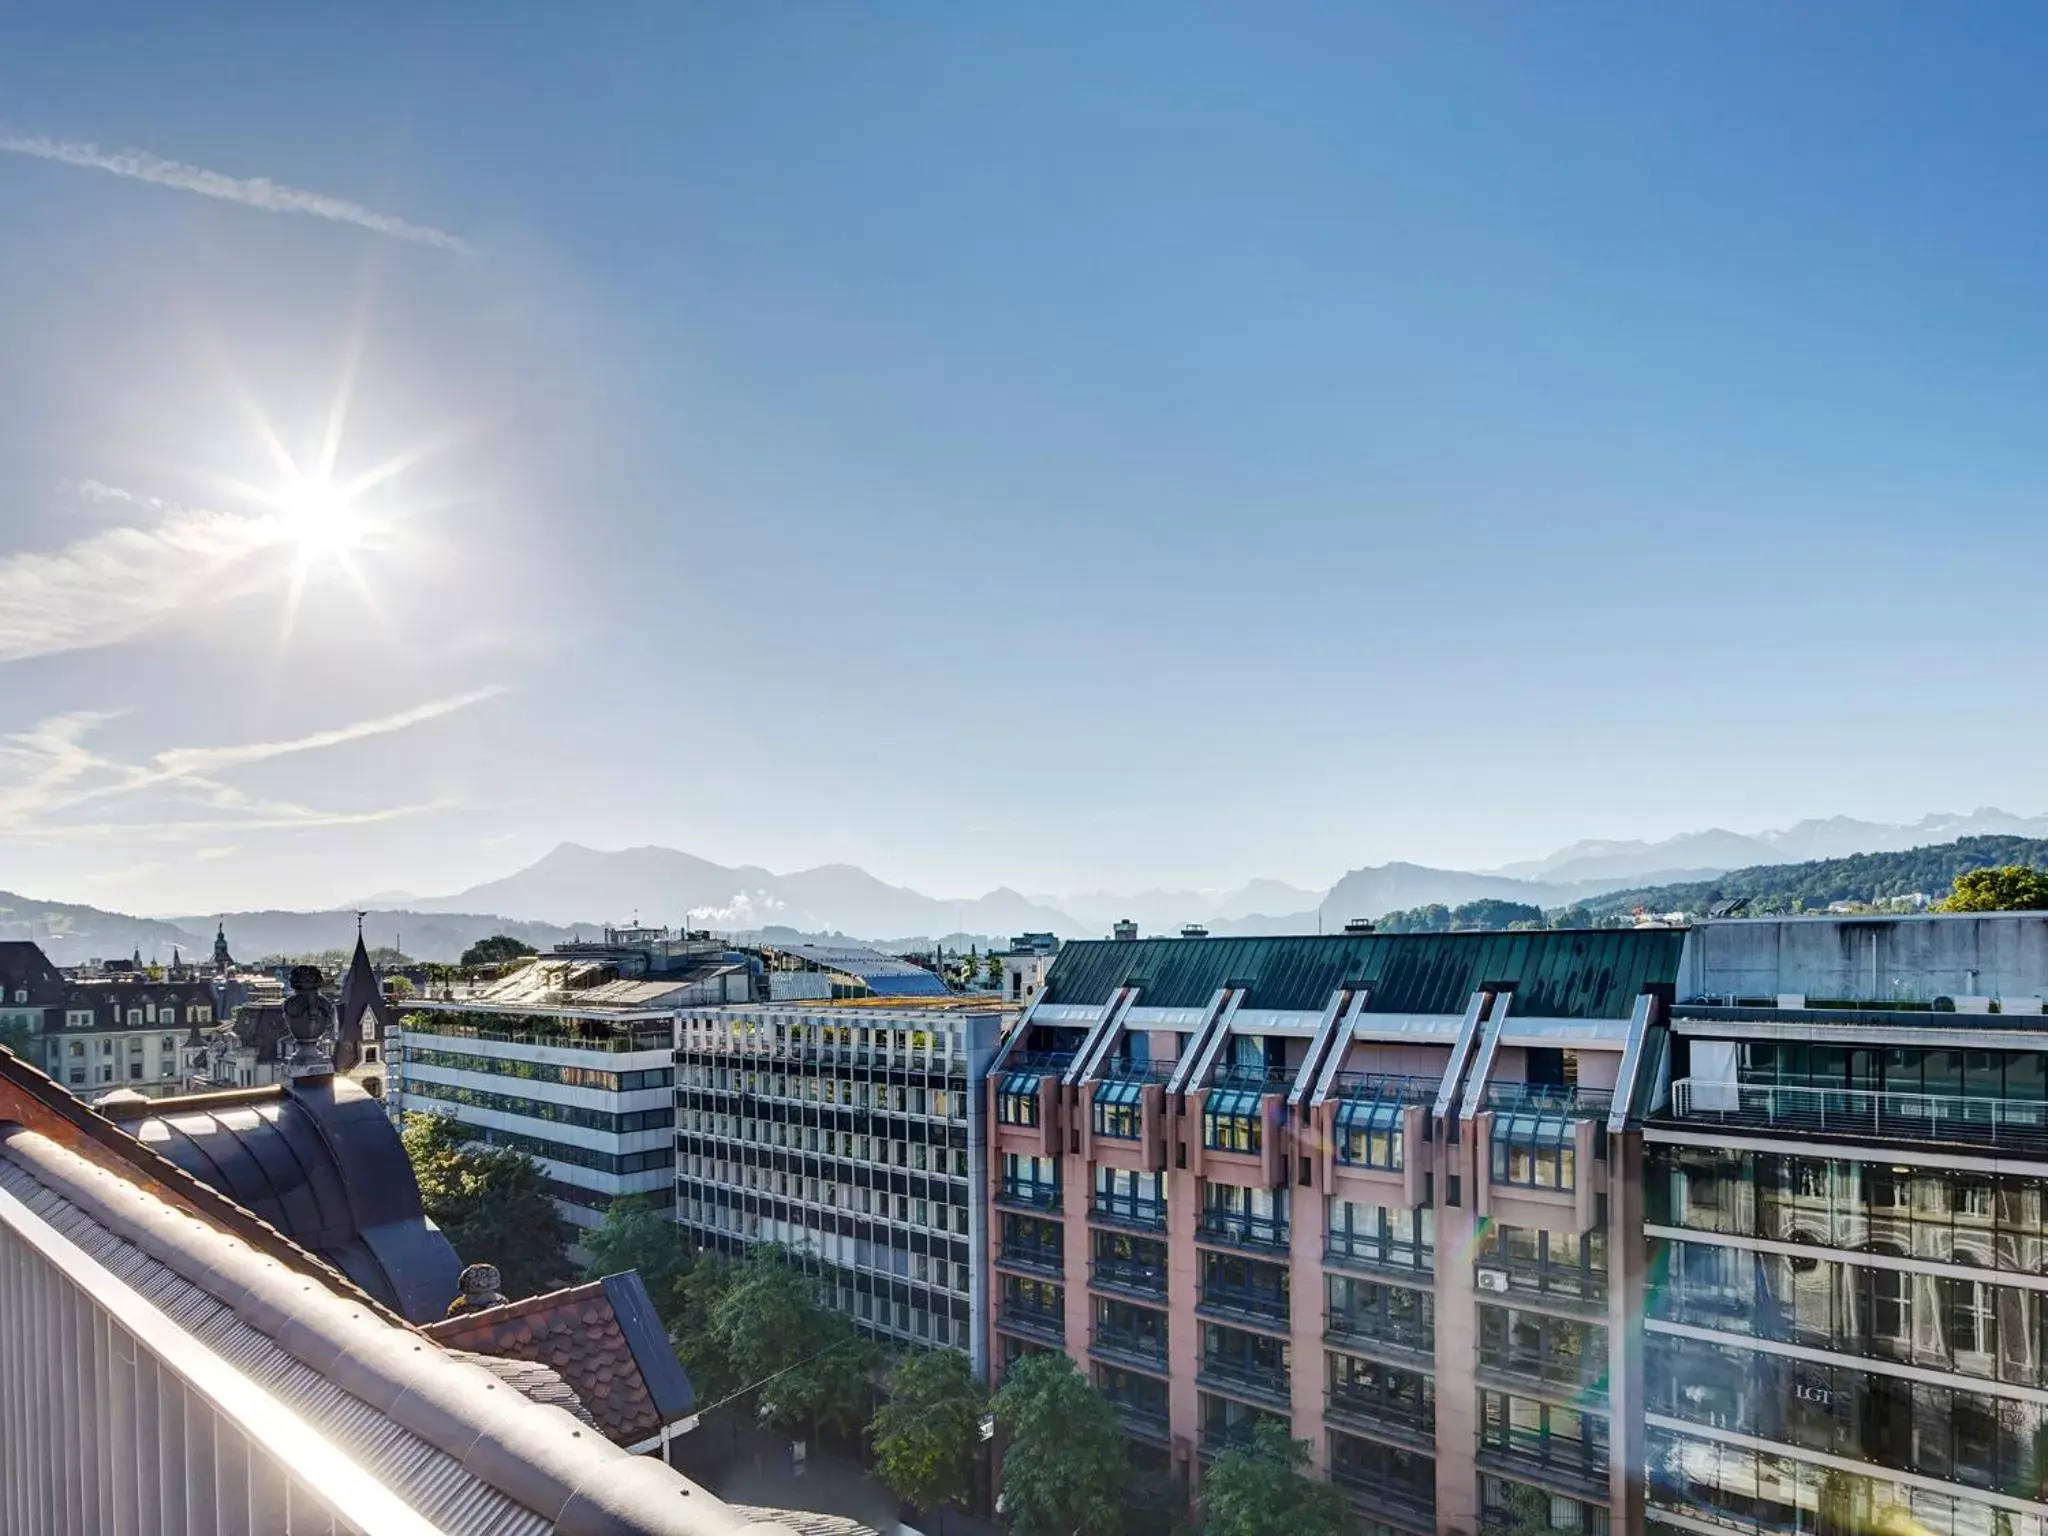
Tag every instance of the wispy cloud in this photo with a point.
(49, 773)
(185, 761)
(251, 192)
(116, 583)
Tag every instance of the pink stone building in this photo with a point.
(1379, 1188)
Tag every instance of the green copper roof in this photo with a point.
(1556, 973)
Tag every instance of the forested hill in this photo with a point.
(1811, 886)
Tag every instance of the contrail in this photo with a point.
(254, 192)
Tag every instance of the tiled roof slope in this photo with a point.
(1556, 973)
(601, 1338)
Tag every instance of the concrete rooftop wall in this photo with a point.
(1869, 959)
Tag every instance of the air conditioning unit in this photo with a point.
(1494, 1280)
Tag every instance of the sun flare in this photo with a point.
(319, 517)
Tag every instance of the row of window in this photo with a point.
(1736, 1488)
(1960, 1323)
(2014, 1075)
(884, 1151)
(543, 1071)
(1991, 1443)
(926, 1314)
(727, 1035)
(612, 1035)
(621, 1123)
(824, 1089)
(142, 1015)
(938, 1215)
(1987, 1221)
(563, 1152)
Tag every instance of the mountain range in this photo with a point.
(575, 888)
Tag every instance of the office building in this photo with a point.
(1376, 1188)
(570, 1059)
(1846, 1193)
(854, 1133)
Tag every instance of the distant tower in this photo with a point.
(222, 960)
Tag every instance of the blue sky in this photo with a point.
(1057, 446)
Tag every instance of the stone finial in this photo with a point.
(310, 1018)
(479, 1289)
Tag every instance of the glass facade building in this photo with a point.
(1846, 1269)
(856, 1134)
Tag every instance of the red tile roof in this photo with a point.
(575, 1332)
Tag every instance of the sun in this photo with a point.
(319, 518)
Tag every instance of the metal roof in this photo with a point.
(319, 1161)
(432, 1431)
(885, 974)
(1555, 973)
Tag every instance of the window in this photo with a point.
(1369, 1134)
(1117, 1110)
(1134, 1199)
(1017, 1099)
(1545, 1262)
(1239, 1213)
(78, 1018)
(1231, 1120)
(1535, 1150)
(1379, 1393)
(1553, 1351)
(1543, 1433)
(1382, 1236)
(135, 1018)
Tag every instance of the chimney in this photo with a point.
(1361, 925)
(1125, 931)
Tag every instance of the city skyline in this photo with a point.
(1373, 437)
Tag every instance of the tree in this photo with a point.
(634, 1235)
(2008, 888)
(1525, 1511)
(492, 1203)
(993, 969)
(1257, 1489)
(400, 987)
(496, 950)
(928, 1433)
(772, 1327)
(18, 1035)
(1065, 1470)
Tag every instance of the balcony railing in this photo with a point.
(1566, 1099)
(1413, 1424)
(1129, 1277)
(1129, 1346)
(1580, 1376)
(1033, 1258)
(1136, 1072)
(1239, 1229)
(2021, 1124)
(1264, 1309)
(1555, 1464)
(1033, 1323)
(1412, 1508)
(1258, 1079)
(1132, 1215)
(1142, 1421)
(1379, 1330)
(1240, 1378)
(1379, 1256)
(1025, 1195)
(1044, 1063)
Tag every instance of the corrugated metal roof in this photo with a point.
(1557, 973)
(885, 974)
